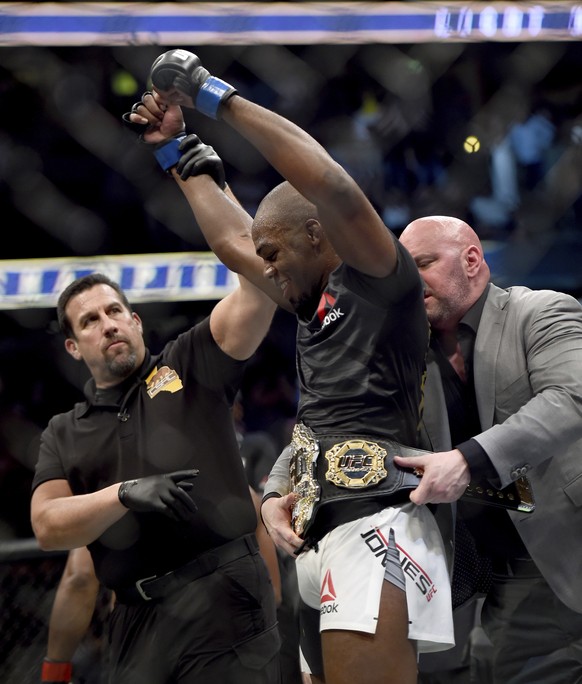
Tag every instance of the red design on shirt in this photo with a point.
(326, 304)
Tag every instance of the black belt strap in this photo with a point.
(150, 588)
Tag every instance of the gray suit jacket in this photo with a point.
(528, 384)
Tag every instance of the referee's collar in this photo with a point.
(113, 397)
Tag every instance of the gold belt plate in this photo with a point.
(355, 464)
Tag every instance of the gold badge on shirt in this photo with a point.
(164, 379)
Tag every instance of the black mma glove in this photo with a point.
(167, 494)
(198, 158)
(182, 70)
(56, 671)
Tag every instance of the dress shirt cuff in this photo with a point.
(479, 464)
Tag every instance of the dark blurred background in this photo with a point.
(490, 132)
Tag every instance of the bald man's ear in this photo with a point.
(473, 259)
(71, 347)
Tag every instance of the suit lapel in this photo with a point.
(486, 351)
(435, 420)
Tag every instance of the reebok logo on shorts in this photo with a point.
(327, 588)
(328, 595)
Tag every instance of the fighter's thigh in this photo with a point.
(386, 657)
(343, 579)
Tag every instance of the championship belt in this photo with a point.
(338, 479)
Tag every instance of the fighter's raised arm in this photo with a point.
(349, 220)
(199, 173)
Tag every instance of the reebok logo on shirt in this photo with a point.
(326, 312)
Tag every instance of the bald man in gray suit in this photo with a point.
(510, 377)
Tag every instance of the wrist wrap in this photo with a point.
(56, 671)
(168, 153)
(213, 92)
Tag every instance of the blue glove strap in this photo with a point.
(210, 96)
(168, 154)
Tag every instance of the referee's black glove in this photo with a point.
(167, 494)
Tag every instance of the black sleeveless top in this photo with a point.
(361, 358)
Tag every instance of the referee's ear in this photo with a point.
(73, 349)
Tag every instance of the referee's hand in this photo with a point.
(167, 494)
